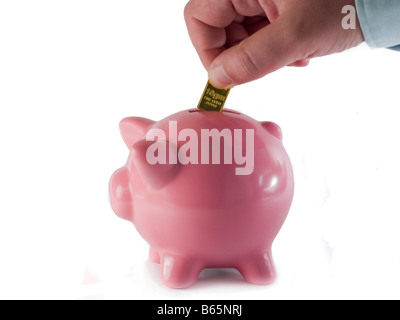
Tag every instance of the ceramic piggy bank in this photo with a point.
(205, 190)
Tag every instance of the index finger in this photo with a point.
(206, 21)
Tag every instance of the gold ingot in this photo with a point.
(213, 99)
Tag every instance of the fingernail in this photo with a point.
(219, 78)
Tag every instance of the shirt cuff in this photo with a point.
(380, 22)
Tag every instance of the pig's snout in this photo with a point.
(121, 194)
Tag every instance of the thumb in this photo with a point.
(267, 50)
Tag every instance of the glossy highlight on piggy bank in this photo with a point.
(205, 190)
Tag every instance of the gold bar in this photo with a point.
(213, 99)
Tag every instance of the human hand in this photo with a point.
(242, 40)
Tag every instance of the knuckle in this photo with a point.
(248, 62)
(187, 10)
(190, 9)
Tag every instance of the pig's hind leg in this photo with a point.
(258, 268)
(154, 255)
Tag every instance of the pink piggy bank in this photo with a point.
(205, 190)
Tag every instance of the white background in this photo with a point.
(71, 70)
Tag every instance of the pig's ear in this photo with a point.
(134, 128)
(273, 129)
(153, 163)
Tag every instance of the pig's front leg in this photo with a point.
(178, 271)
(121, 194)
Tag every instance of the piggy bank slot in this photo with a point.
(231, 111)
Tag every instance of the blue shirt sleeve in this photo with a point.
(380, 22)
(397, 48)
